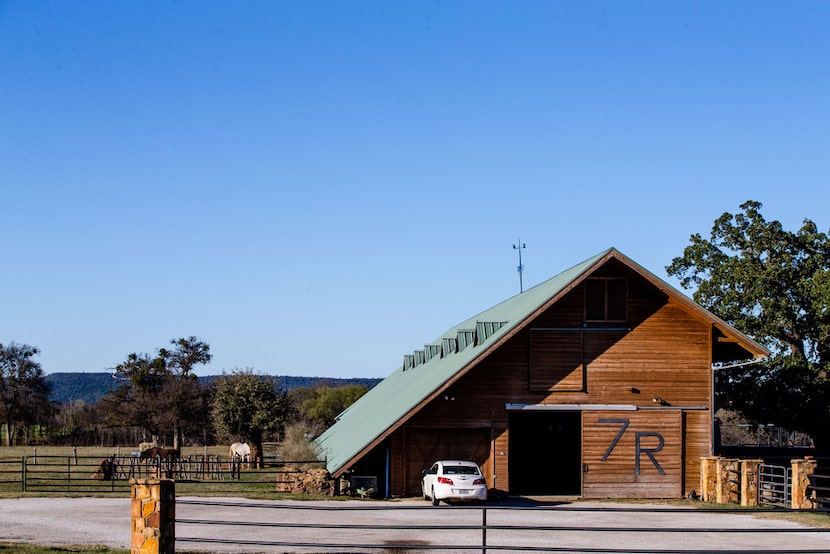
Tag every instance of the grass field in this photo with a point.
(67, 471)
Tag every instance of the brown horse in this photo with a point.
(170, 454)
(105, 471)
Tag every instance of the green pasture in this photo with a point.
(68, 471)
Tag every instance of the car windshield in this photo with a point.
(460, 470)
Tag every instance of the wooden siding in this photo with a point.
(556, 361)
(425, 446)
(632, 454)
(663, 350)
(697, 432)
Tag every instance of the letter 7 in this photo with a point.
(613, 445)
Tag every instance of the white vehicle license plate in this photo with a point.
(462, 491)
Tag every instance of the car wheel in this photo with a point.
(434, 500)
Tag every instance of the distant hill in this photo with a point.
(91, 387)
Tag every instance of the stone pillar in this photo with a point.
(801, 470)
(708, 478)
(153, 516)
(727, 487)
(749, 482)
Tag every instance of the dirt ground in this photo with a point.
(106, 521)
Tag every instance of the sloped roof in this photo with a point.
(426, 373)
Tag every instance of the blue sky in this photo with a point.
(318, 188)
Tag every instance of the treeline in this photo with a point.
(158, 398)
(90, 387)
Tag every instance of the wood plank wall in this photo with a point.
(632, 454)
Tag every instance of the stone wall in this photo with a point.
(731, 480)
(312, 481)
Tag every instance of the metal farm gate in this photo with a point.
(774, 485)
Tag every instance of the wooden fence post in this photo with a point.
(153, 514)
(801, 470)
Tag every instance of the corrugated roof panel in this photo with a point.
(466, 337)
(449, 345)
(486, 329)
(481, 331)
(432, 351)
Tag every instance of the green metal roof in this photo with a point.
(426, 372)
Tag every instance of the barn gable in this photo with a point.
(428, 373)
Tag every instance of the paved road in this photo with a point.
(90, 521)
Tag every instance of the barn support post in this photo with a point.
(801, 471)
(388, 471)
(153, 512)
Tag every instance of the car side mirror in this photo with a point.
(424, 471)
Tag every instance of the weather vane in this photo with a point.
(521, 268)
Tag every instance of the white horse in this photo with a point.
(240, 452)
(142, 446)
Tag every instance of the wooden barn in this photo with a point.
(596, 383)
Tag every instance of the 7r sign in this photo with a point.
(641, 437)
(632, 453)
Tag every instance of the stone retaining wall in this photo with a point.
(731, 480)
(312, 481)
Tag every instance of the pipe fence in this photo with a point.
(820, 490)
(195, 474)
(560, 528)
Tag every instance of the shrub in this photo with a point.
(296, 445)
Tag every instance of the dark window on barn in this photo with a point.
(606, 300)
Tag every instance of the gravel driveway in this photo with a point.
(106, 521)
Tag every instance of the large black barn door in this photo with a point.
(545, 453)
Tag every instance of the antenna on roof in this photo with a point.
(521, 268)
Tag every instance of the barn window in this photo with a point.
(606, 299)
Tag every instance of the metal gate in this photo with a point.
(774, 485)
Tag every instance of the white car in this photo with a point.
(451, 480)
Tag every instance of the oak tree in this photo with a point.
(774, 285)
(322, 405)
(24, 392)
(250, 406)
(161, 393)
